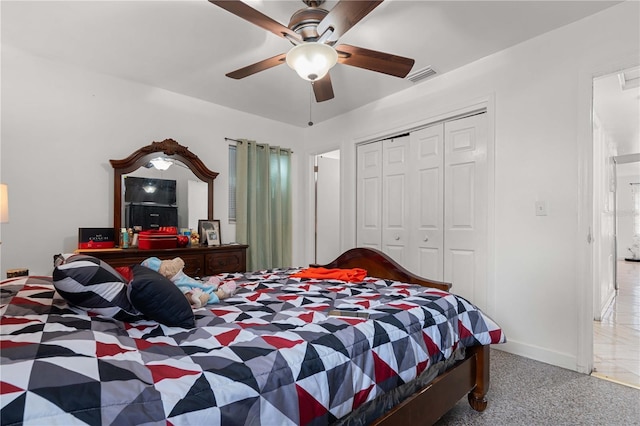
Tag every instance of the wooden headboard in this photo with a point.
(378, 264)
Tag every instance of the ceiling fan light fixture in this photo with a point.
(161, 163)
(312, 60)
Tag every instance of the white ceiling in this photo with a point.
(188, 46)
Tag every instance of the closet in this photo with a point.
(422, 198)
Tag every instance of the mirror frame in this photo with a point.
(142, 156)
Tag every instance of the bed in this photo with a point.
(389, 348)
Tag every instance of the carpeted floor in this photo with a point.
(528, 392)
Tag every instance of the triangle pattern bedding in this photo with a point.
(269, 355)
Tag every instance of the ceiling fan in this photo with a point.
(314, 32)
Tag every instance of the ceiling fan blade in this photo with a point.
(250, 14)
(345, 15)
(373, 60)
(323, 89)
(258, 66)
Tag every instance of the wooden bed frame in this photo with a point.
(469, 376)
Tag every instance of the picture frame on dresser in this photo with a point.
(209, 231)
(213, 236)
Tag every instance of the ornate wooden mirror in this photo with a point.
(169, 149)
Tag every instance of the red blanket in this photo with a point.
(351, 275)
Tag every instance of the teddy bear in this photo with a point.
(197, 292)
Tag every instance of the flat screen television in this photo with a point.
(139, 190)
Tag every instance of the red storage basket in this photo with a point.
(149, 240)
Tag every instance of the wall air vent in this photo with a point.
(420, 75)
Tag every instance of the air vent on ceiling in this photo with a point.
(419, 75)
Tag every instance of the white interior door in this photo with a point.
(395, 209)
(427, 232)
(465, 207)
(327, 209)
(369, 196)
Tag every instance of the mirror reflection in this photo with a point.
(164, 192)
(176, 191)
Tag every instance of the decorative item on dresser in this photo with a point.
(199, 261)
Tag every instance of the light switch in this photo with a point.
(541, 208)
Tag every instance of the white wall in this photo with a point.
(535, 90)
(61, 125)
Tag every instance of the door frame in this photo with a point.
(316, 174)
(310, 205)
(585, 243)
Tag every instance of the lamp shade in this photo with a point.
(312, 60)
(4, 203)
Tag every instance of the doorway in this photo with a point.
(327, 207)
(616, 164)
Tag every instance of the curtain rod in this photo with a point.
(239, 141)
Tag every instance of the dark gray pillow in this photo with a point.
(159, 299)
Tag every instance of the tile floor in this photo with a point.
(617, 337)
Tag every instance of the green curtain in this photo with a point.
(263, 204)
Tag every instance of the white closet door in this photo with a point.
(466, 213)
(395, 197)
(426, 203)
(369, 196)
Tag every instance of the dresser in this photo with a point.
(199, 261)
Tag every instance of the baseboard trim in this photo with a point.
(540, 354)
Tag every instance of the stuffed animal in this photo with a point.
(197, 292)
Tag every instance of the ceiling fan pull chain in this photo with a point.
(310, 123)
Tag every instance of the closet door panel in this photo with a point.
(463, 272)
(465, 207)
(395, 210)
(427, 184)
(369, 196)
(462, 196)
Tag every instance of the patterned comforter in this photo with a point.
(270, 355)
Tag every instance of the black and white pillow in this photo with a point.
(94, 286)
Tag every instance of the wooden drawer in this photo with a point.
(193, 265)
(199, 261)
(225, 261)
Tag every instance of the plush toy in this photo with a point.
(197, 292)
